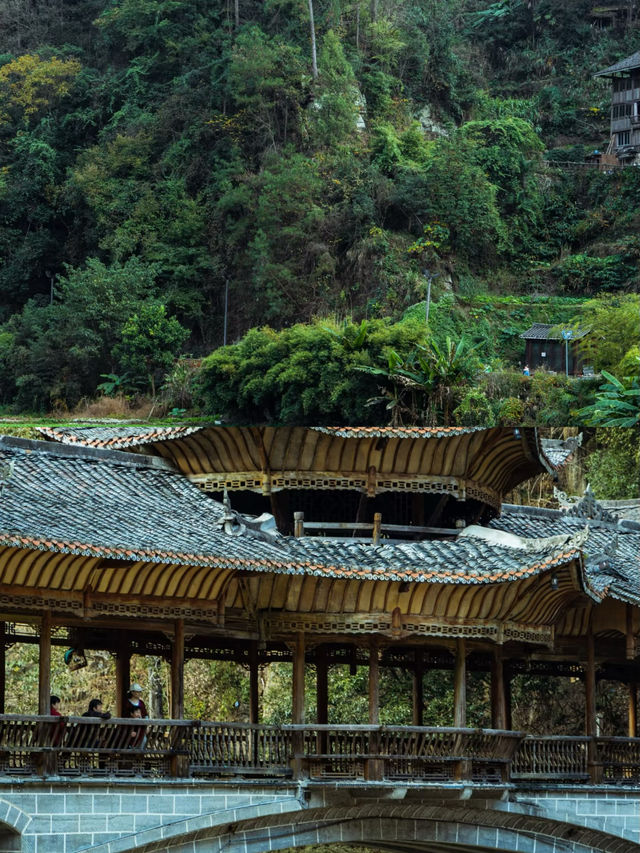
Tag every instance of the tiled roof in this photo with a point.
(627, 64)
(396, 432)
(113, 504)
(558, 451)
(612, 547)
(115, 438)
(103, 503)
(547, 332)
(463, 561)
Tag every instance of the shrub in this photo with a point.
(511, 412)
(474, 410)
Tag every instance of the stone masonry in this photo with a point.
(195, 816)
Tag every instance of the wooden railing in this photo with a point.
(86, 747)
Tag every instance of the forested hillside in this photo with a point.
(298, 160)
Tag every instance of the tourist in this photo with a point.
(58, 728)
(93, 738)
(526, 371)
(137, 734)
(95, 710)
(134, 702)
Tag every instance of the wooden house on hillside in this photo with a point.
(625, 108)
(547, 348)
(613, 14)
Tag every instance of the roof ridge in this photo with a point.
(84, 453)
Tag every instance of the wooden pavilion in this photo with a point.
(131, 552)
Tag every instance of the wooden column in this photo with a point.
(460, 686)
(322, 685)
(298, 680)
(590, 687)
(297, 709)
(254, 690)
(633, 710)
(322, 696)
(508, 721)
(123, 675)
(3, 666)
(374, 769)
(418, 697)
(590, 706)
(498, 693)
(177, 671)
(44, 666)
(630, 639)
(374, 684)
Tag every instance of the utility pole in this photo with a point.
(567, 334)
(314, 56)
(226, 312)
(429, 278)
(51, 278)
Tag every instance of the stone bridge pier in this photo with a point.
(251, 817)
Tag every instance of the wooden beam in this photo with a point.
(498, 693)
(460, 686)
(508, 715)
(418, 697)
(298, 680)
(123, 675)
(177, 671)
(44, 665)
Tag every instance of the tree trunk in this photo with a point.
(236, 13)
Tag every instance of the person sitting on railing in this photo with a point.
(54, 711)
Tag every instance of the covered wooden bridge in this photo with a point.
(129, 553)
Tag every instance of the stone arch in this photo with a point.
(12, 823)
(407, 828)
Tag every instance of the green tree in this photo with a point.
(614, 327)
(613, 468)
(150, 342)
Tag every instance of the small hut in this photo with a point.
(554, 348)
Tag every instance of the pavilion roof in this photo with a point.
(460, 461)
(92, 532)
(116, 505)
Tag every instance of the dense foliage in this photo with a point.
(165, 158)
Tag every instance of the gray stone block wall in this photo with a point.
(615, 812)
(65, 817)
(60, 816)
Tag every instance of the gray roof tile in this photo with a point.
(612, 549)
(629, 63)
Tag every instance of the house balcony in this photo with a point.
(81, 747)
